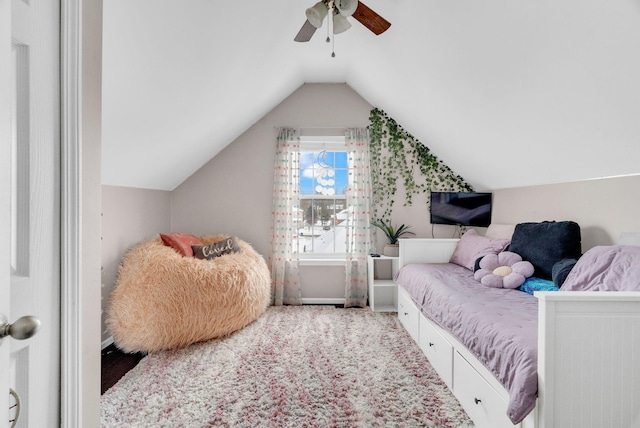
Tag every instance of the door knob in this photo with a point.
(22, 328)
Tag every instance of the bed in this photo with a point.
(559, 359)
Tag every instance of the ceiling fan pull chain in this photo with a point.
(329, 23)
(332, 11)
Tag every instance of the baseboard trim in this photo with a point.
(108, 341)
(322, 301)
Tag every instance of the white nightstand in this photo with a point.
(383, 292)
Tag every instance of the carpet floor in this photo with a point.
(304, 366)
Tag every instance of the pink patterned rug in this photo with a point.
(305, 366)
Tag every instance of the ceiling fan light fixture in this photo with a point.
(346, 7)
(317, 13)
(340, 23)
(340, 10)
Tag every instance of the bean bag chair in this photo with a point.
(164, 300)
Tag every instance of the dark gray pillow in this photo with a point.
(216, 249)
(561, 269)
(546, 243)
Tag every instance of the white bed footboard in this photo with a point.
(588, 359)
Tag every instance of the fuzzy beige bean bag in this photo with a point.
(163, 300)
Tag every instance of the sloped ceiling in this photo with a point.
(508, 93)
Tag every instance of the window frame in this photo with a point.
(317, 144)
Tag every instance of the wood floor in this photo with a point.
(116, 364)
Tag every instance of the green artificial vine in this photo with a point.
(397, 157)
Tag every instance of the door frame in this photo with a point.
(80, 157)
(70, 204)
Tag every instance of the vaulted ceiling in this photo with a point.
(508, 93)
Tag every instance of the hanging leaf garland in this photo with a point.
(397, 157)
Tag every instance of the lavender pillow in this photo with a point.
(473, 246)
(606, 268)
(504, 270)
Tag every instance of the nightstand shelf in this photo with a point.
(383, 291)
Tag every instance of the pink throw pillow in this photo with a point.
(473, 246)
(181, 242)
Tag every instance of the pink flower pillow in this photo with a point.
(503, 270)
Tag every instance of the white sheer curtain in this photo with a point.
(284, 257)
(359, 195)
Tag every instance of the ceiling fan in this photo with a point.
(340, 10)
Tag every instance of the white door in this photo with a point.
(30, 207)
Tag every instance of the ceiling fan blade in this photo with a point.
(370, 19)
(305, 33)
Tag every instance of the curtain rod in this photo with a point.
(326, 131)
(319, 131)
(324, 127)
(320, 127)
(315, 127)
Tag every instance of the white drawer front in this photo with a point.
(408, 313)
(481, 402)
(437, 349)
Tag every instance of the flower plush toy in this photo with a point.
(503, 270)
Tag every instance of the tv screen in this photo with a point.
(461, 208)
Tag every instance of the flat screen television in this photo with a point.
(461, 208)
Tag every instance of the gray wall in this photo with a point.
(128, 217)
(604, 208)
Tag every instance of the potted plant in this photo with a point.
(392, 233)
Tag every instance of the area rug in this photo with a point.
(304, 366)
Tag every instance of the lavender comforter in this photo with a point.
(499, 326)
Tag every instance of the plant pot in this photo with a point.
(391, 250)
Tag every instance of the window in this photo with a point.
(321, 216)
(322, 199)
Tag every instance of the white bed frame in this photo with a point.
(588, 355)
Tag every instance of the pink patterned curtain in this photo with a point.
(359, 195)
(284, 258)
